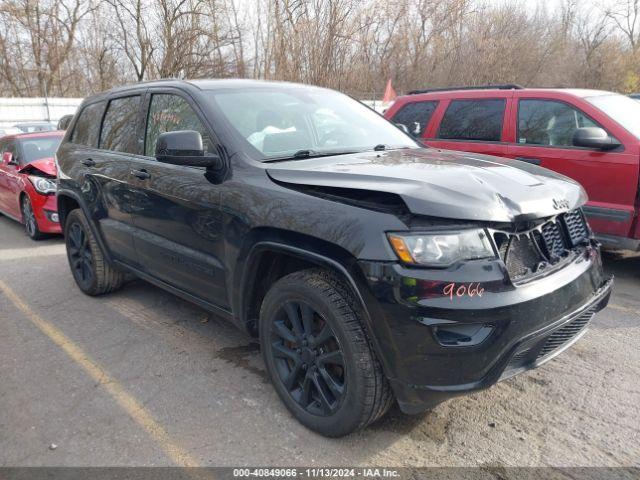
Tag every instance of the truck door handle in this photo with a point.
(535, 161)
(141, 174)
(89, 162)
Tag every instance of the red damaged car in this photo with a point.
(28, 181)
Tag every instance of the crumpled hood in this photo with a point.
(44, 165)
(441, 183)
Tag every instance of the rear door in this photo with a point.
(98, 151)
(470, 124)
(177, 211)
(544, 129)
(415, 116)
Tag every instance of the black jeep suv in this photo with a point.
(373, 270)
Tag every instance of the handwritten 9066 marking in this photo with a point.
(452, 290)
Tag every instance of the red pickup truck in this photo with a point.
(591, 136)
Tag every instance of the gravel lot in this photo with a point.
(141, 377)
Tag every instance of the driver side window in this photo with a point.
(170, 113)
(548, 122)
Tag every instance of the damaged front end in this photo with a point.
(42, 175)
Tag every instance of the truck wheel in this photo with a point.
(318, 354)
(90, 269)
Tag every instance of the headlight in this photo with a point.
(43, 185)
(441, 249)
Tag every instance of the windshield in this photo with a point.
(39, 147)
(280, 123)
(623, 110)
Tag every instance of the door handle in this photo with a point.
(141, 174)
(89, 162)
(534, 161)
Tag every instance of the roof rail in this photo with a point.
(506, 86)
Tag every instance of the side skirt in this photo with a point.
(227, 315)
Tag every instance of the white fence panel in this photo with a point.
(26, 110)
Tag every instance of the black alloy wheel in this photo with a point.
(91, 270)
(308, 358)
(318, 354)
(80, 256)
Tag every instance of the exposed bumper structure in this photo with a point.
(437, 341)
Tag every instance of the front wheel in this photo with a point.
(318, 355)
(29, 219)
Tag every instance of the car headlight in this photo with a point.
(441, 249)
(43, 185)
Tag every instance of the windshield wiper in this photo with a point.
(302, 154)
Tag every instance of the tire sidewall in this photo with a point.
(27, 201)
(348, 416)
(77, 217)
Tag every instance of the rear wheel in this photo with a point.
(319, 356)
(90, 269)
(29, 219)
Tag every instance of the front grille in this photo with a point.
(576, 227)
(528, 253)
(563, 335)
(552, 240)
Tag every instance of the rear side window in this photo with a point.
(548, 122)
(169, 113)
(473, 120)
(119, 125)
(87, 127)
(415, 116)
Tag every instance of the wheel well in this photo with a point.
(271, 266)
(65, 205)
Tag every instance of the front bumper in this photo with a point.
(46, 211)
(435, 346)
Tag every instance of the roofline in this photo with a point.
(19, 136)
(506, 86)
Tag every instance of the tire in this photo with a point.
(29, 219)
(310, 319)
(92, 273)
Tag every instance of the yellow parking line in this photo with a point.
(127, 401)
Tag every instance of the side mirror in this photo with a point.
(184, 147)
(594, 137)
(7, 157)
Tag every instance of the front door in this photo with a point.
(544, 136)
(178, 234)
(10, 181)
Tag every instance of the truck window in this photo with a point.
(119, 126)
(479, 120)
(549, 122)
(415, 116)
(87, 127)
(169, 113)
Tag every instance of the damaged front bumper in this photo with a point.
(443, 333)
